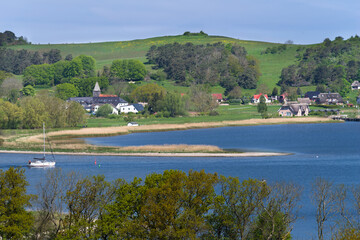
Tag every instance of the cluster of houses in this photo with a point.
(288, 109)
(119, 105)
(301, 106)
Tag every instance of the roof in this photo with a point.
(138, 107)
(97, 87)
(217, 96)
(304, 100)
(312, 94)
(104, 95)
(295, 107)
(110, 100)
(330, 98)
(259, 95)
(355, 84)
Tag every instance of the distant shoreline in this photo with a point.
(243, 154)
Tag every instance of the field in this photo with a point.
(104, 53)
(226, 113)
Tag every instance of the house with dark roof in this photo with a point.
(355, 85)
(91, 104)
(294, 109)
(312, 95)
(329, 98)
(131, 108)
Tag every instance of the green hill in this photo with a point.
(105, 52)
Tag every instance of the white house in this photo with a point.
(256, 98)
(131, 108)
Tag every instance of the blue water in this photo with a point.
(327, 150)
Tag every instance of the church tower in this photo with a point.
(96, 91)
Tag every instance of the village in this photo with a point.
(288, 108)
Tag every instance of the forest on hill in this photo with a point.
(334, 64)
(227, 65)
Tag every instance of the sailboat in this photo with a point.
(41, 162)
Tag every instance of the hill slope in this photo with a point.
(104, 53)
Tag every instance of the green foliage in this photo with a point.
(17, 61)
(211, 64)
(39, 75)
(104, 110)
(172, 104)
(88, 65)
(328, 64)
(150, 93)
(28, 91)
(15, 221)
(66, 90)
(75, 114)
(129, 70)
(265, 227)
(261, 107)
(85, 86)
(275, 49)
(11, 116)
(60, 72)
(33, 111)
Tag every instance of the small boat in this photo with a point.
(41, 162)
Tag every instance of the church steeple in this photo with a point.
(96, 91)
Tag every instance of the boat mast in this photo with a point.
(44, 138)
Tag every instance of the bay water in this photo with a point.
(330, 151)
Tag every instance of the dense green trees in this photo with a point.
(150, 93)
(33, 111)
(15, 221)
(213, 64)
(129, 70)
(81, 67)
(104, 110)
(9, 38)
(66, 90)
(332, 63)
(17, 61)
(172, 205)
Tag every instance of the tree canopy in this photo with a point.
(216, 63)
(129, 70)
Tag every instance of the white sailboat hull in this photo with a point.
(41, 164)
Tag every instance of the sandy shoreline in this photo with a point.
(244, 154)
(108, 131)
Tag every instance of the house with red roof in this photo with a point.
(256, 98)
(217, 96)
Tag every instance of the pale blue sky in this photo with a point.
(72, 21)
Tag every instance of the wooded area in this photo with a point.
(334, 64)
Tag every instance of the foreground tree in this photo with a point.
(324, 200)
(15, 221)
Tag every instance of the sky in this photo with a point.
(84, 21)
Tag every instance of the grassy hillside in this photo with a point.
(104, 53)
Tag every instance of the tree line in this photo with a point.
(186, 64)
(332, 63)
(16, 61)
(9, 38)
(171, 205)
(31, 112)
